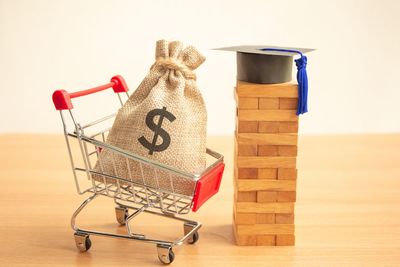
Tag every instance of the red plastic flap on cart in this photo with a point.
(207, 186)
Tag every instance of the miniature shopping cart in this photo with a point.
(86, 143)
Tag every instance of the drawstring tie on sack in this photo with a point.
(173, 64)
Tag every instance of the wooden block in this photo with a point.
(267, 115)
(267, 174)
(265, 229)
(244, 218)
(268, 127)
(247, 150)
(287, 90)
(247, 173)
(247, 126)
(244, 240)
(287, 151)
(285, 240)
(266, 162)
(266, 196)
(265, 218)
(285, 196)
(266, 139)
(284, 218)
(248, 103)
(287, 174)
(267, 150)
(247, 185)
(288, 127)
(288, 103)
(246, 196)
(268, 103)
(275, 207)
(266, 240)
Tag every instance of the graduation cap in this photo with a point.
(272, 64)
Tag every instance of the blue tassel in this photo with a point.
(302, 78)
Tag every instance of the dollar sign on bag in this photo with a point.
(158, 130)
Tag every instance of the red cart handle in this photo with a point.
(62, 99)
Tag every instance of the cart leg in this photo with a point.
(188, 228)
(121, 214)
(79, 209)
(82, 241)
(165, 254)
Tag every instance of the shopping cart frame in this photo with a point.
(131, 195)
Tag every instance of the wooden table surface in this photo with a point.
(347, 213)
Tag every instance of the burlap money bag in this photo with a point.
(163, 120)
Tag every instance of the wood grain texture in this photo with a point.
(284, 218)
(244, 240)
(287, 174)
(268, 103)
(347, 210)
(286, 90)
(247, 126)
(255, 240)
(246, 196)
(266, 240)
(268, 127)
(290, 151)
(266, 196)
(265, 229)
(277, 207)
(267, 150)
(266, 185)
(288, 103)
(267, 173)
(265, 218)
(266, 139)
(285, 240)
(266, 162)
(248, 103)
(248, 150)
(267, 115)
(247, 173)
(244, 218)
(285, 196)
(288, 127)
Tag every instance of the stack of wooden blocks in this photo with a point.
(265, 164)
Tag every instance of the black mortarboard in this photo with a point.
(272, 64)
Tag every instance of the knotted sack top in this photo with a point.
(172, 56)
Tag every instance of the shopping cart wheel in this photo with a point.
(121, 214)
(194, 238)
(82, 242)
(165, 254)
(187, 228)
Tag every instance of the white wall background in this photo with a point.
(71, 44)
